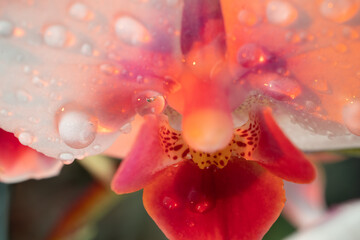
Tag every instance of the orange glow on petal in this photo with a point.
(207, 130)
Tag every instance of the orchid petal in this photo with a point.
(304, 54)
(277, 154)
(82, 62)
(340, 223)
(122, 146)
(305, 203)
(240, 201)
(144, 160)
(19, 163)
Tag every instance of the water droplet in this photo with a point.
(322, 86)
(199, 202)
(97, 147)
(149, 102)
(126, 128)
(277, 86)
(5, 113)
(86, 49)
(80, 11)
(37, 81)
(23, 96)
(67, 158)
(131, 31)
(55, 36)
(351, 116)
(247, 18)
(25, 138)
(252, 55)
(108, 69)
(77, 128)
(339, 10)
(27, 69)
(6, 28)
(170, 203)
(281, 13)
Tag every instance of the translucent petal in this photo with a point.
(78, 65)
(19, 163)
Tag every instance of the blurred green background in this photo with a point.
(75, 206)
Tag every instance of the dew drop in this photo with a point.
(351, 117)
(339, 10)
(252, 55)
(80, 11)
(6, 28)
(86, 49)
(25, 138)
(77, 128)
(281, 13)
(23, 96)
(277, 86)
(55, 36)
(149, 102)
(37, 81)
(170, 203)
(131, 31)
(126, 128)
(199, 202)
(67, 158)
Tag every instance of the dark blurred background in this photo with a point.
(76, 206)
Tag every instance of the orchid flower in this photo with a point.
(213, 80)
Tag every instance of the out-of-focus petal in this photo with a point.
(305, 203)
(19, 163)
(144, 160)
(122, 146)
(277, 154)
(303, 53)
(81, 65)
(340, 223)
(238, 202)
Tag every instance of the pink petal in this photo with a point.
(277, 154)
(89, 57)
(145, 159)
(19, 163)
(123, 144)
(238, 202)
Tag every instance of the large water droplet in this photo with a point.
(339, 10)
(55, 36)
(251, 55)
(199, 202)
(149, 102)
(281, 13)
(25, 138)
(6, 28)
(351, 116)
(170, 203)
(77, 128)
(80, 11)
(131, 31)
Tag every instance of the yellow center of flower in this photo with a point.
(244, 141)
